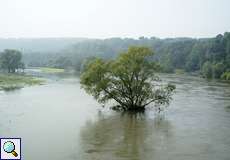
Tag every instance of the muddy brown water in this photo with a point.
(59, 121)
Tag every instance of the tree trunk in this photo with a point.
(135, 108)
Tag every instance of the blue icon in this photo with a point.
(9, 147)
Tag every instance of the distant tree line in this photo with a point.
(208, 56)
(11, 61)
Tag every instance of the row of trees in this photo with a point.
(211, 58)
(208, 56)
(11, 61)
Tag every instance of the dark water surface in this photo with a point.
(60, 121)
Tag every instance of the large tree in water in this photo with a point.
(130, 80)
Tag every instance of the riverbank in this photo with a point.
(51, 70)
(225, 77)
(17, 81)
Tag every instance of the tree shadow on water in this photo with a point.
(124, 136)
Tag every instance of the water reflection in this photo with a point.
(125, 136)
(196, 125)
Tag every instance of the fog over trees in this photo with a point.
(208, 56)
(11, 61)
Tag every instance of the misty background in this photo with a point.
(113, 18)
(186, 35)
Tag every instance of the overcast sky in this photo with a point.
(114, 18)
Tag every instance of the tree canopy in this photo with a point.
(10, 60)
(130, 80)
(172, 53)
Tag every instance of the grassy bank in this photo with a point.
(52, 70)
(16, 81)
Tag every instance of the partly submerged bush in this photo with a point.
(130, 80)
(226, 75)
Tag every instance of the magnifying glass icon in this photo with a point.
(9, 147)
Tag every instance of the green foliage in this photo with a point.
(178, 53)
(60, 62)
(10, 60)
(196, 57)
(51, 70)
(16, 81)
(218, 70)
(226, 75)
(227, 61)
(172, 53)
(166, 64)
(207, 70)
(210, 70)
(130, 80)
(179, 71)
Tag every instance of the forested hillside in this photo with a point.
(208, 56)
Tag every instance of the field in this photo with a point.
(51, 70)
(16, 81)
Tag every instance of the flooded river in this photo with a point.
(59, 121)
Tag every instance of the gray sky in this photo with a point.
(114, 18)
